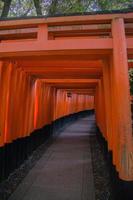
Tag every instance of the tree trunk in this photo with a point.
(6, 8)
(53, 7)
(38, 7)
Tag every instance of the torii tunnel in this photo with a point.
(51, 68)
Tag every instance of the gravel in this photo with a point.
(8, 186)
(103, 186)
(102, 180)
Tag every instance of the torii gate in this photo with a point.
(85, 55)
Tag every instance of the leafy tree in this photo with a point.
(21, 8)
(38, 7)
(113, 4)
(51, 7)
(131, 80)
(6, 8)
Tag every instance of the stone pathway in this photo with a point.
(64, 172)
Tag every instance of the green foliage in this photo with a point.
(21, 8)
(1, 7)
(66, 6)
(131, 80)
(52, 7)
(113, 4)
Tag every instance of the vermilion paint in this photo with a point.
(42, 60)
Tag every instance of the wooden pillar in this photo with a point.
(100, 108)
(97, 112)
(42, 33)
(7, 89)
(108, 102)
(104, 109)
(36, 104)
(120, 84)
(31, 104)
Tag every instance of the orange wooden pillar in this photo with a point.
(38, 104)
(100, 108)
(96, 102)
(13, 110)
(108, 102)
(7, 72)
(31, 105)
(121, 98)
(104, 114)
(42, 33)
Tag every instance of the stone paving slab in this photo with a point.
(64, 172)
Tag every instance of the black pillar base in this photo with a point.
(12, 155)
(122, 190)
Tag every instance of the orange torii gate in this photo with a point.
(44, 59)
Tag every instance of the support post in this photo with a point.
(123, 134)
(108, 102)
(42, 35)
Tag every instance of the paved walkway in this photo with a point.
(64, 172)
